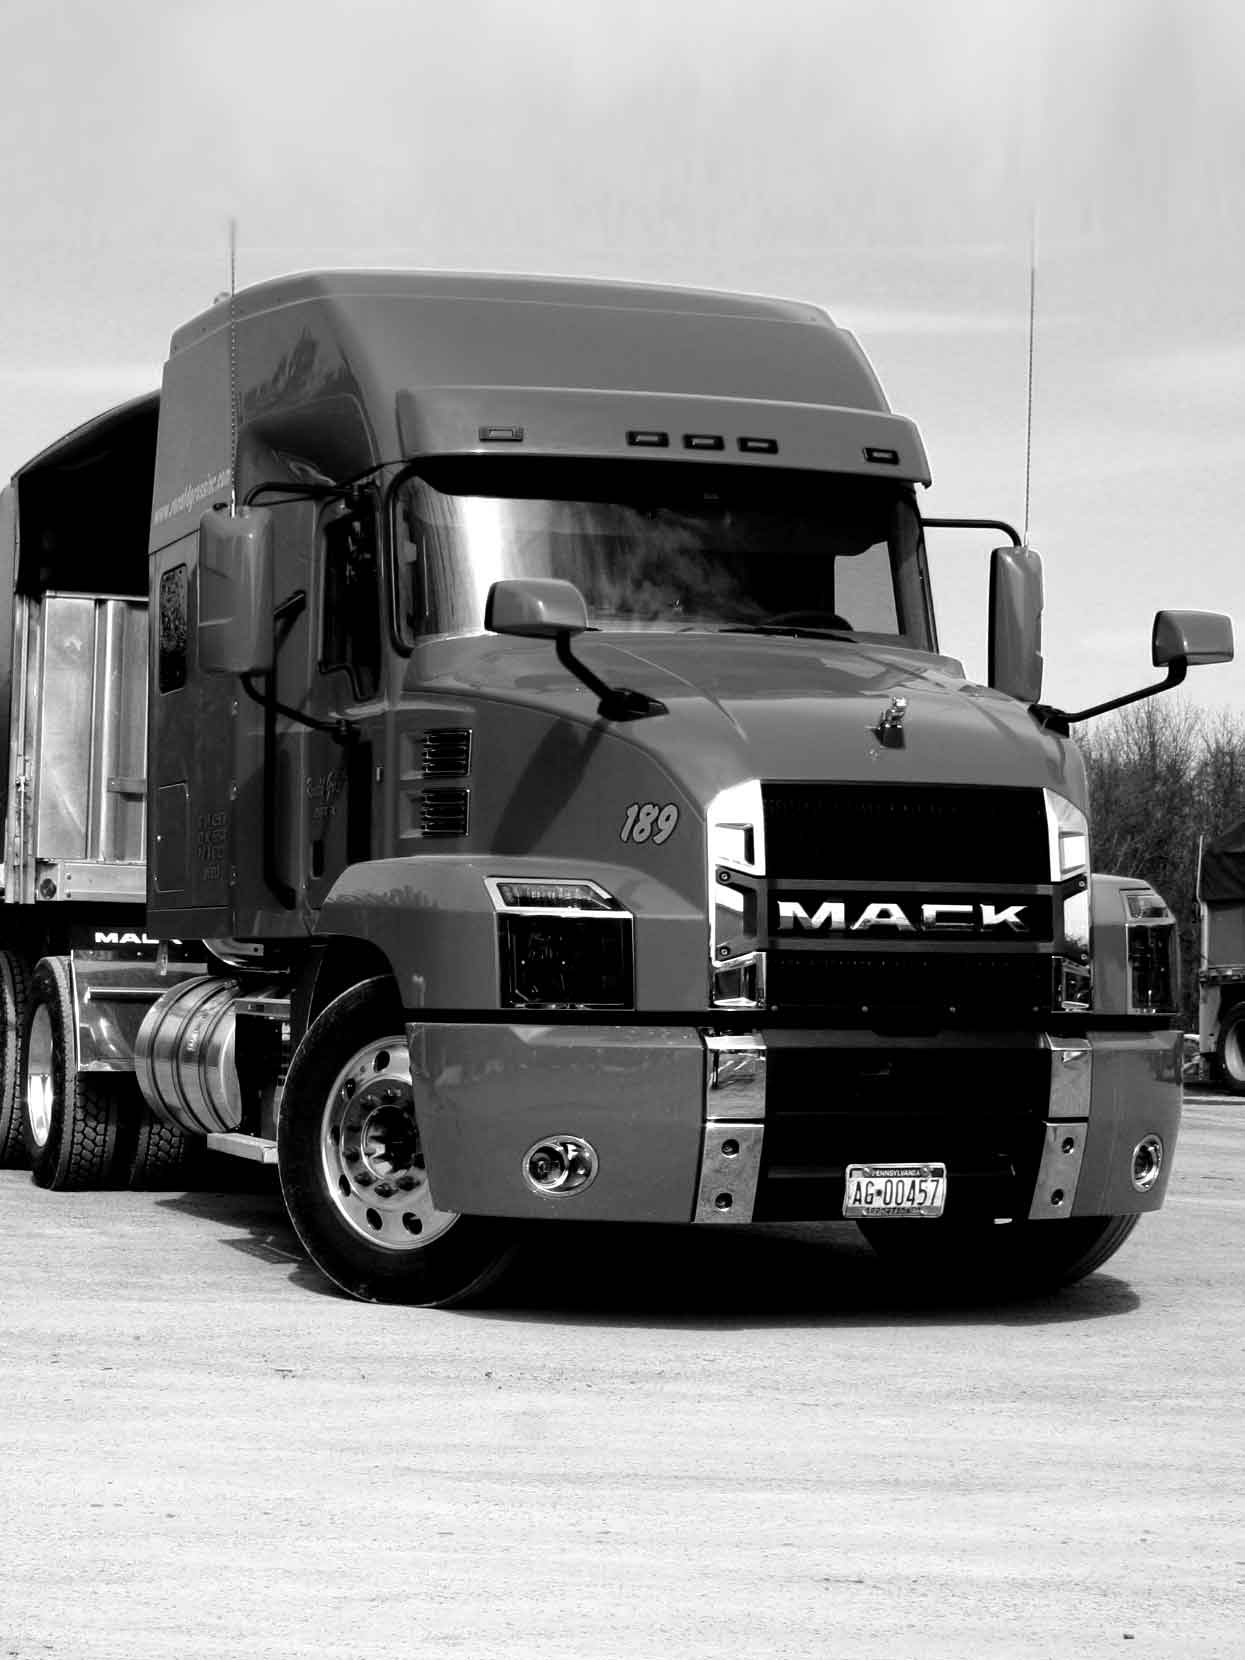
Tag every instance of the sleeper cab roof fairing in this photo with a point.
(557, 421)
(328, 286)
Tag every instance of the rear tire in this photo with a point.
(161, 1156)
(1230, 1050)
(14, 996)
(70, 1120)
(352, 1170)
(1013, 1259)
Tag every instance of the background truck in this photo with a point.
(482, 744)
(1221, 958)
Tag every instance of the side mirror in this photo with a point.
(1180, 638)
(536, 608)
(1015, 663)
(1195, 636)
(235, 591)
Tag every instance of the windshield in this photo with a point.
(671, 546)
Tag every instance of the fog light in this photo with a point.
(559, 1165)
(1147, 1162)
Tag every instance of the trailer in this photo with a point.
(483, 746)
(1221, 959)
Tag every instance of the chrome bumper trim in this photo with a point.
(730, 1167)
(1071, 1077)
(734, 1127)
(1058, 1173)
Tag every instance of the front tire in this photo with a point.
(70, 1119)
(1014, 1259)
(1230, 1050)
(352, 1169)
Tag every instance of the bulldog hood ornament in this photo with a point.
(889, 730)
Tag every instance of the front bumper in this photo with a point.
(688, 1126)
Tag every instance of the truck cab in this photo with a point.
(559, 805)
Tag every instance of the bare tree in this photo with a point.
(1162, 774)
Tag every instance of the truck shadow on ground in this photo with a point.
(648, 1276)
(790, 1275)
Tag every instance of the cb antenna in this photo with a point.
(1029, 392)
(233, 368)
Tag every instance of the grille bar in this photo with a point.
(859, 985)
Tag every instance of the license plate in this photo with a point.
(912, 1190)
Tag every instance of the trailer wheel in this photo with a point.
(1230, 1050)
(14, 995)
(352, 1170)
(70, 1119)
(1018, 1258)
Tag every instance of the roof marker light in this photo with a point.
(648, 440)
(759, 446)
(501, 435)
(886, 458)
(703, 441)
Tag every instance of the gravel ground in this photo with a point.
(658, 1444)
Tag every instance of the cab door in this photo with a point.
(346, 676)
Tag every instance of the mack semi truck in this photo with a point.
(482, 745)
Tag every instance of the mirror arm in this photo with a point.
(616, 702)
(1057, 720)
(975, 524)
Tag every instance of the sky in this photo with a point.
(894, 163)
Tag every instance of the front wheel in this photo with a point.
(352, 1168)
(1012, 1258)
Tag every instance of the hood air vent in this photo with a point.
(442, 813)
(446, 752)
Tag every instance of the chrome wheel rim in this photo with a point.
(39, 1077)
(371, 1155)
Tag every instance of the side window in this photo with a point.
(350, 601)
(171, 658)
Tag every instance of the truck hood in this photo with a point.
(749, 706)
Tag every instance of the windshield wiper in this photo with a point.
(796, 630)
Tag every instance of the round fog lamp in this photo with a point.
(1147, 1162)
(559, 1165)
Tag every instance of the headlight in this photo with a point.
(562, 945)
(735, 847)
(1153, 959)
(1068, 834)
(1068, 831)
